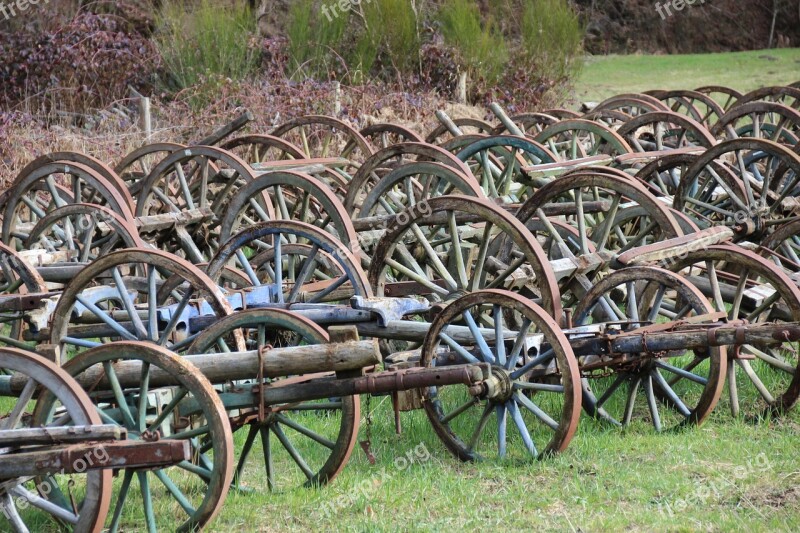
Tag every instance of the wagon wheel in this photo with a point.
(724, 96)
(194, 178)
(462, 245)
(384, 161)
(92, 488)
(85, 231)
(533, 412)
(611, 118)
(467, 126)
(322, 433)
(288, 196)
(499, 163)
(254, 149)
(385, 135)
(137, 165)
(760, 120)
(529, 123)
(788, 96)
(577, 138)
(783, 247)
(686, 383)
(31, 196)
(134, 295)
(663, 174)
(561, 114)
(315, 267)
(761, 380)
(124, 380)
(320, 136)
(665, 130)
(701, 107)
(761, 165)
(633, 104)
(87, 161)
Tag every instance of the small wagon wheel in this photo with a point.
(612, 118)
(724, 96)
(665, 130)
(467, 126)
(534, 410)
(288, 196)
(135, 295)
(760, 120)
(577, 138)
(53, 185)
(70, 406)
(761, 379)
(701, 107)
(561, 114)
(314, 266)
(137, 165)
(306, 443)
(461, 245)
(633, 104)
(664, 173)
(254, 149)
(321, 136)
(121, 379)
(385, 135)
(679, 389)
(529, 123)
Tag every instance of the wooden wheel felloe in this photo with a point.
(255, 149)
(577, 138)
(137, 165)
(760, 120)
(533, 406)
(665, 131)
(320, 136)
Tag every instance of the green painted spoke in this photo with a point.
(298, 459)
(173, 489)
(316, 437)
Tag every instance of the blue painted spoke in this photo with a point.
(499, 338)
(537, 411)
(523, 429)
(458, 348)
(476, 334)
(519, 344)
(106, 318)
(502, 425)
(176, 316)
(533, 363)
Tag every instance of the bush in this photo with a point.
(315, 39)
(482, 49)
(394, 23)
(207, 42)
(552, 38)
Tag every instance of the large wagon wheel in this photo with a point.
(385, 135)
(93, 163)
(294, 262)
(761, 379)
(611, 118)
(187, 408)
(665, 130)
(52, 495)
(305, 443)
(288, 196)
(633, 104)
(686, 384)
(700, 107)
(254, 149)
(32, 195)
(134, 295)
(724, 96)
(194, 178)
(782, 246)
(577, 138)
(788, 96)
(85, 231)
(768, 173)
(321, 136)
(461, 245)
(384, 161)
(137, 165)
(441, 133)
(760, 120)
(534, 409)
(498, 163)
(17, 277)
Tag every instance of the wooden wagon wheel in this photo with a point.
(782, 246)
(788, 96)
(321, 136)
(633, 104)
(535, 410)
(293, 262)
(665, 130)
(288, 196)
(611, 118)
(306, 443)
(122, 379)
(760, 120)
(70, 406)
(467, 126)
(762, 380)
(679, 389)
(577, 138)
(254, 149)
(461, 245)
(134, 295)
(385, 135)
(696, 105)
(724, 96)
(530, 123)
(561, 114)
(137, 165)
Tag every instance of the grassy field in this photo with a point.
(605, 76)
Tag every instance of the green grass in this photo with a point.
(605, 76)
(725, 475)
